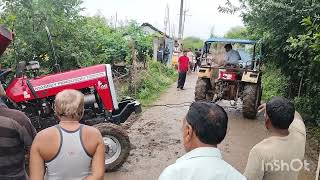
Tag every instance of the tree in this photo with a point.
(306, 48)
(193, 43)
(78, 40)
(237, 32)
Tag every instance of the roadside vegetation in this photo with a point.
(149, 83)
(274, 83)
(290, 31)
(79, 40)
(192, 42)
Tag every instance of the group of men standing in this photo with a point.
(278, 157)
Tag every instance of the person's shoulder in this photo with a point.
(298, 125)
(17, 115)
(230, 171)
(7, 122)
(5, 118)
(262, 146)
(91, 131)
(170, 172)
(46, 134)
(14, 111)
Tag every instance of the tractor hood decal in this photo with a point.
(70, 81)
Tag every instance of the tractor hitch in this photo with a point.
(126, 108)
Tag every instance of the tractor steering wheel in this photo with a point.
(4, 74)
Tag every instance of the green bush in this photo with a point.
(309, 107)
(273, 81)
(155, 80)
(78, 40)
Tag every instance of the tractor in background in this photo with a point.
(235, 83)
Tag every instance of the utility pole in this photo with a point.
(184, 21)
(181, 20)
(168, 9)
(115, 23)
(166, 20)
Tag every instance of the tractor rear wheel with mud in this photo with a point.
(117, 144)
(251, 100)
(204, 90)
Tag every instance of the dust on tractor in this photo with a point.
(34, 94)
(233, 82)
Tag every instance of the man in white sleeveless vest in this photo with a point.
(68, 150)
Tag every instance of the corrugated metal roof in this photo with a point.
(226, 40)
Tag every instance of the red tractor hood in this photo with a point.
(5, 39)
(99, 77)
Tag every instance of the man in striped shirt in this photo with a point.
(16, 136)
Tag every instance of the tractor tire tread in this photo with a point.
(123, 138)
(249, 109)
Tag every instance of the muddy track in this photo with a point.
(156, 137)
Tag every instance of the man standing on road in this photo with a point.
(204, 127)
(198, 60)
(183, 69)
(16, 136)
(232, 56)
(284, 148)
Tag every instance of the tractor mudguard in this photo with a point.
(250, 77)
(205, 72)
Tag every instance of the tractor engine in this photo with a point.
(227, 84)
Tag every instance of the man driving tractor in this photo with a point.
(231, 56)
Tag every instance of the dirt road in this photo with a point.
(156, 137)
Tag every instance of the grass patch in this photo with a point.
(150, 83)
(154, 81)
(273, 81)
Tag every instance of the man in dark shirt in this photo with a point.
(16, 136)
(183, 68)
(198, 60)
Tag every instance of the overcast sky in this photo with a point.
(203, 14)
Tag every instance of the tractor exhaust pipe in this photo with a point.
(57, 68)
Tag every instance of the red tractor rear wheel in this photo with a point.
(117, 145)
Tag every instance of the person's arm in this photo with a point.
(97, 164)
(255, 167)
(238, 54)
(36, 166)
(27, 134)
(189, 62)
(226, 59)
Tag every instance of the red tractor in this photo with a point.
(35, 96)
